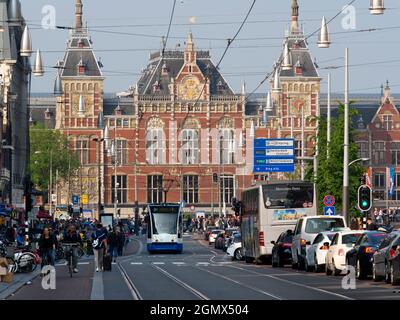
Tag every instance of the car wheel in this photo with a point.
(238, 254)
(301, 264)
(394, 281)
(280, 261)
(388, 277)
(328, 271)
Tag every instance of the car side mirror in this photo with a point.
(308, 243)
(326, 244)
(273, 242)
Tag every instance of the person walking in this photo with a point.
(121, 241)
(99, 238)
(113, 244)
(47, 247)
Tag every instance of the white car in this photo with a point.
(342, 242)
(316, 253)
(235, 248)
(213, 235)
(307, 228)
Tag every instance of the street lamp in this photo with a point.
(358, 160)
(377, 7)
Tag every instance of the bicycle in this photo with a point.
(21, 261)
(69, 256)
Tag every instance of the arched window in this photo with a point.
(190, 146)
(154, 146)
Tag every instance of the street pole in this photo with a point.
(346, 140)
(98, 177)
(51, 181)
(328, 132)
(303, 145)
(115, 172)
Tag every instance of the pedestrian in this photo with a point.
(113, 243)
(99, 244)
(47, 247)
(121, 241)
(371, 226)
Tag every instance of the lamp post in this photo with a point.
(358, 160)
(99, 141)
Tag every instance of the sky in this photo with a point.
(124, 32)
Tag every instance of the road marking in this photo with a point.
(203, 263)
(132, 288)
(295, 283)
(83, 263)
(136, 263)
(97, 287)
(158, 263)
(183, 284)
(244, 285)
(179, 263)
(61, 264)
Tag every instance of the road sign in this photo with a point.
(75, 199)
(53, 197)
(329, 201)
(273, 155)
(85, 199)
(329, 211)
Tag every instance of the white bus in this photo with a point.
(164, 227)
(270, 208)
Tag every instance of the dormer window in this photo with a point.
(298, 69)
(81, 68)
(156, 86)
(220, 86)
(80, 43)
(118, 111)
(164, 70)
(387, 120)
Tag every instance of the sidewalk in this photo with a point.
(20, 279)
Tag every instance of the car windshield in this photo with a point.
(317, 225)
(165, 223)
(350, 238)
(288, 195)
(288, 238)
(376, 238)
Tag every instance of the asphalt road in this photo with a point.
(199, 273)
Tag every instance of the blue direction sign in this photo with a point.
(75, 199)
(329, 211)
(273, 155)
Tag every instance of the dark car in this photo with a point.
(282, 250)
(386, 263)
(361, 256)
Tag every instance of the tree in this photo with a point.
(48, 146)
(330, 170)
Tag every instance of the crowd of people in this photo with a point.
(201, 223)
(47, 236)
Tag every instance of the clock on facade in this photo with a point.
(190, 88)
(297, 105)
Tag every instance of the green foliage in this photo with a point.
(330, 170)
(50, 147)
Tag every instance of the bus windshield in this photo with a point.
(290, 196)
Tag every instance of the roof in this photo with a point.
(300, 53)
(126, 105)
(173, 61)
(80, 50)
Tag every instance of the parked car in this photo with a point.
(316, 253)
(307, 228)
(208, 232)
(282, 249)
(235, 248)
(220, 241)
(213, 235)
(361, 256)
(229, 240)
(228, 234)
(386, 264)
(342, 242)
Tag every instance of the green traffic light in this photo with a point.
(364, 203)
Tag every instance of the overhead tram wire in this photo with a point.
(268, 75)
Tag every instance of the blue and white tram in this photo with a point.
(164, 227)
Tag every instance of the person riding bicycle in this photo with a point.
(72, 237)
(47, 247)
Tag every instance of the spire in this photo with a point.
(295, 17)
(78, 15)
(189, 42)
(386, 95)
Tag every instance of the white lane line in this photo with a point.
(136, 263)
(244, 285)
(183, 284)
(83, 263)
(158, 263)
(203, 263)
(179, 263)
(61, 264)
(295, 283)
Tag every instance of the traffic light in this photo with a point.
(364, 198)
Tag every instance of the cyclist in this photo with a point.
(72, 237)
(47, 246)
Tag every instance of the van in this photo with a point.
(307, 228)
